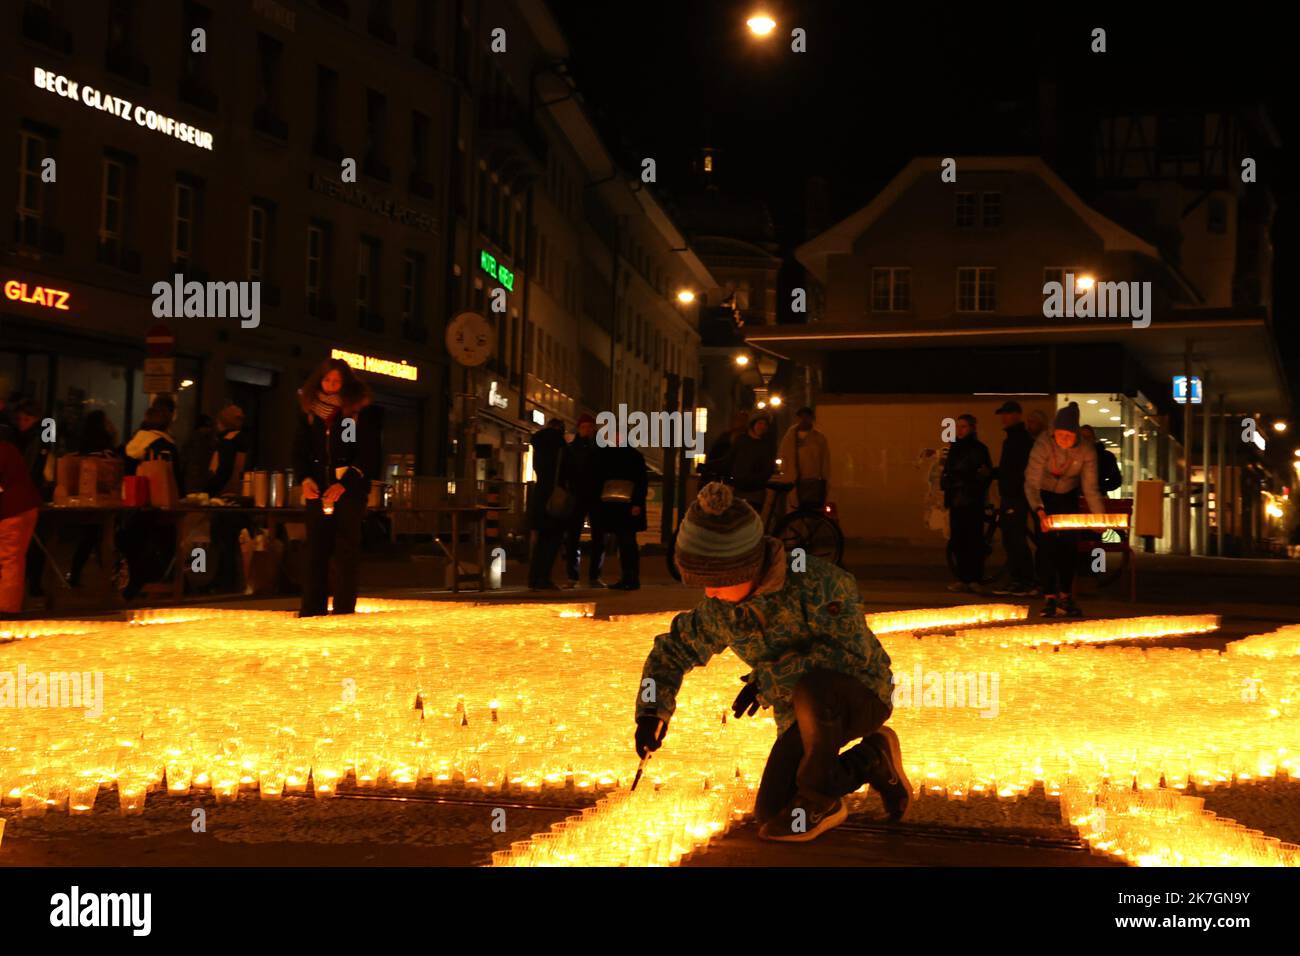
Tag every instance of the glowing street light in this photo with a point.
(1279, 426)
(775, 401)
(742, 359)
(685, 296)
(1084, 283)
(760, 24)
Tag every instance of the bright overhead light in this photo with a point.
(1114, 418)
(1084, 282)
(762, 404)
(1279, 426)
(760, 24)
(1092, 401)
(776, 401)
(742, 359)
(685, 296)
(1104, 411)
(1297, 452)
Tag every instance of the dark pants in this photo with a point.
(573, 538)
(1014, 522)
(966, 524)
(805, 763)
(545, 550)
(89, 541)
(1058, 550)
(336, 536)
(629, 555)
(35, 569)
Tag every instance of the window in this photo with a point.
(320, 245)
(112, 214)
(367, 281)
(196, 80)
(120, 50)
(325, 140)
(991, 210)
(376, 135)
(977, 289)
(32, 150)
(891, 289)
(965, 215)
(412, 286)
(1180, 138)
(259, 241)
(184, 202)
(266, 114)
(380, 21)
(425, 39)
(421, 150)
(1057, 274)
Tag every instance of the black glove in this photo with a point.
(650, 733)
(747, 698)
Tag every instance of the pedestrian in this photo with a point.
(814, 662)
(98, 440)
(805, 462)
(38, 457)
(1035, 423)
(548, 451)
(1060, 467)
(230, 453)
(197, 455)
(717, 463)
(578, 475)
(753, 461)
(153, 441)
(336, 453)
(967, 473)
(1013, 510)
(623, 486)
(19, 507)
(1109, 477)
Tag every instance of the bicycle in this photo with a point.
(814, 528)
(1114, 541)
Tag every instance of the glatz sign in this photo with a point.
(17, 291)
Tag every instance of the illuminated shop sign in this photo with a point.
(370, 363)
(496, 399)
(1180, 389)
(488, 263)
(122, 109)
(43, 296)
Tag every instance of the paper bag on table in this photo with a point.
(162, 483)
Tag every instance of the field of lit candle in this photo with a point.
(538, 700)
(1100, 522)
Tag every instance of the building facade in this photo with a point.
(935, 305)
(211, 141)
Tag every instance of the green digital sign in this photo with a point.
(488, 263)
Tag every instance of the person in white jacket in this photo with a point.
(1061, 467)
(805, 462)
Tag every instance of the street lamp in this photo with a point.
(685, 296)
(1084, 282)
(760, 24)
(742, 360)
(1279, 426)
(775, 401)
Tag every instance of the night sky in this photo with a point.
(881, 84)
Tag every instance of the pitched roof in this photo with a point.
(839, 239)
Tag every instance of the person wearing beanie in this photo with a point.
(1061, 467)
(580, 476)
(967, 473)
(814, 661)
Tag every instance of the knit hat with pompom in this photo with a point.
(720, 541)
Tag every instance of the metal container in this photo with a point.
(279, 489)
(261, 488)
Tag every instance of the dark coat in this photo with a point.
(1011, 466)
(578, 473)
(548, 447)
(967, 473)
(319, 451)
(753, 461)
(626, 464)
(1109, 477)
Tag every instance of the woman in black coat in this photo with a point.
(335, 456)
(623, 487)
